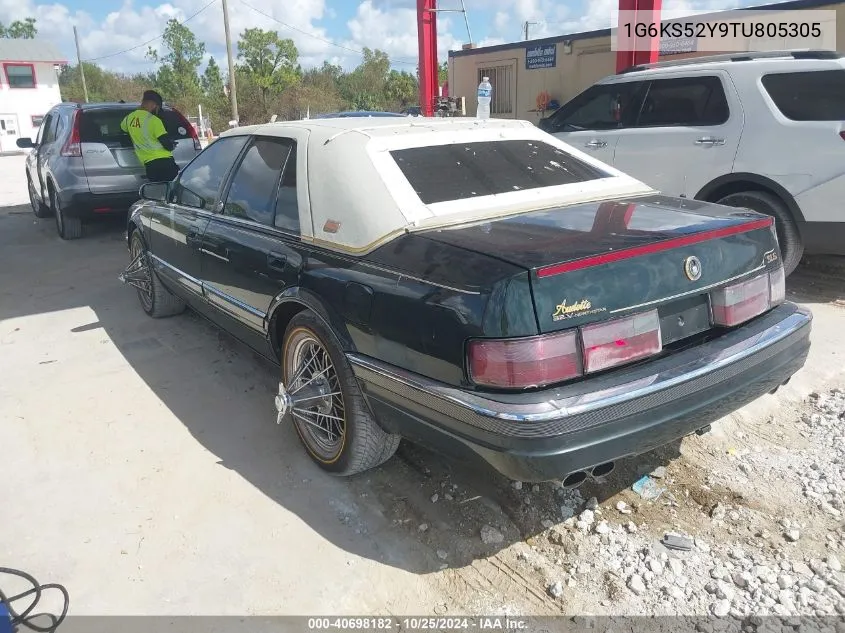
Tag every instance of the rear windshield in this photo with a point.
(467, 170)
(808, 96)
(103, 126)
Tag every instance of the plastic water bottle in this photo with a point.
(485, 96)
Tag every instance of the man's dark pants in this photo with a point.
(162, 170)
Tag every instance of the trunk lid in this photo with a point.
(110, 162)
(594, 261)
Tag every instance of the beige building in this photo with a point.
(566, 65)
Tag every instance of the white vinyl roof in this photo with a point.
(358, 198)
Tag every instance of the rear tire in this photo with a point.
(68, 228)
(40, 209)
(791, 247)
(337, 429)
(157, 301)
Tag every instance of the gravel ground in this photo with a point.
(756, 511)
(738, 554)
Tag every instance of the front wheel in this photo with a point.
(320, 395)
(156, 300)
(791, 246)
(40, 209)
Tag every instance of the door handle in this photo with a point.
(215, 255)
(710, 141)
(596, 144)
(276, 261)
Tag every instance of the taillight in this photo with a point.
(524, 362)
(73, 147)
(621, 341)
(742, 301)
(842, 135)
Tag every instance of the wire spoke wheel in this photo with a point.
(138, 274)
(316, 402)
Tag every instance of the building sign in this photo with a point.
(543, 56)
(677, 45)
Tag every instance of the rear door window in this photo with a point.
(690, 101)
(817, 95)
(467, 170)
(252, 194)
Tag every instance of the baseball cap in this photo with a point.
(152, 95)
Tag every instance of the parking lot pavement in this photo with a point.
(144, 471)
(141, 462)
(12, 183)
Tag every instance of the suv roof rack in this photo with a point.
(804, 53)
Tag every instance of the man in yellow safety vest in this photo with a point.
(153, 146)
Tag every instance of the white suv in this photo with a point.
(765, 131)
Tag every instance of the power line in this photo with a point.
(317, 37)
(157, 37)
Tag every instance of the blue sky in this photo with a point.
(322, 29)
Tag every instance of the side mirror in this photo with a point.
(156, 191)
(25, 143)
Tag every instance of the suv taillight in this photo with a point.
(73, 147)
(745, 300)
(192, 130)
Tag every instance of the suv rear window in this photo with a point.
(817, 95)
(103, 126)
(467, 170)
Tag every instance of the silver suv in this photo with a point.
(82, 165)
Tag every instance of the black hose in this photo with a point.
(24, 619)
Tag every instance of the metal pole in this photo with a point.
(200, 125)
(79, 61)
(233, 96)
(466, 21)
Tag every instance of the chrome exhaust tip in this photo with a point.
(573, 480)
(602, 470)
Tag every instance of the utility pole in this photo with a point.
(233, 95)
(79, 61)
(525, 28)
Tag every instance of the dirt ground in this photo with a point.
(143, 470)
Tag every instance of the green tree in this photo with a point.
(22, 30)
(402, 89)
(365, 87)
(215, 103)
(212, 79)
(177, 77)
(269, 61)
(443, 73)
(103, 85)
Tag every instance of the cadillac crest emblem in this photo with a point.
(692, 268)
